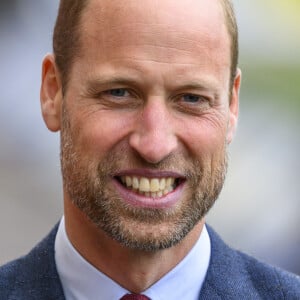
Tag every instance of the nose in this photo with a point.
(154, 136)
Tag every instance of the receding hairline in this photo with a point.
(69, 51)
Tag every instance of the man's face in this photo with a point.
(146, 118)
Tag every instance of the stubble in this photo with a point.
(88, 184)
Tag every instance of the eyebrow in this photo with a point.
(199, 85)
(206, 85)
(94, 84)
(107, 80)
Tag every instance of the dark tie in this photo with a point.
(134, 297)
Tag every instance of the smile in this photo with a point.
(150, 187)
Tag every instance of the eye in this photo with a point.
(191, 98)
(191, 103)
(118, 92)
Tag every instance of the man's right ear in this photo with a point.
(51, 94)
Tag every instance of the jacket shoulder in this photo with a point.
(9, 277)
(33, 276)
(270, 280)
(236, 275)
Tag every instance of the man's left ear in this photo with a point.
(234, 107)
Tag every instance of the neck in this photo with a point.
(114, 260)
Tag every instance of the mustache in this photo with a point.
(120, 159)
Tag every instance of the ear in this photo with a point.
(51, 94)
(234, 107)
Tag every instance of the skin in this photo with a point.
(165, 52)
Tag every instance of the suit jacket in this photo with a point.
(231, 275)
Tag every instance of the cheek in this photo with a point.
(99, 133)
(206, 135)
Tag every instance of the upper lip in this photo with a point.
(149, 173)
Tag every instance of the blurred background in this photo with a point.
(258, 210)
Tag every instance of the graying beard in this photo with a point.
(89, 197)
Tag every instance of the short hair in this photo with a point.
(66, 37)
(233, 31)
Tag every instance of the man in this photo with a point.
(145, 95)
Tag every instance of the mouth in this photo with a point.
(154, 187)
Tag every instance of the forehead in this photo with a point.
(164, 31)
(163, 11)
(114, 21)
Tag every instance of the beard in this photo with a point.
(89, 186)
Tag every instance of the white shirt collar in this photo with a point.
(82, 281)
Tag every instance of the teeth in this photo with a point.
(170, 181)
(128, 181)
(144, 185)
(166, 191)
(162, 184)
(135, 183)
(154, 187)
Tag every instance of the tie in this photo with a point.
(134, 297)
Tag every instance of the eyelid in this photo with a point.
(197, 108)
(109, 91)
(201, 98)
(193, 95)
(96, 92)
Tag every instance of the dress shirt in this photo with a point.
(82, 281)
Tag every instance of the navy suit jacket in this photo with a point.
(231, 275)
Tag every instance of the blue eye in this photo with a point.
(191, 98)
(118, 92)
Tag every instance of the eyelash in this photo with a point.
(109, 92)
(185, 102)
(193, 97)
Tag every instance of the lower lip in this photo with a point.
(138, 200)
